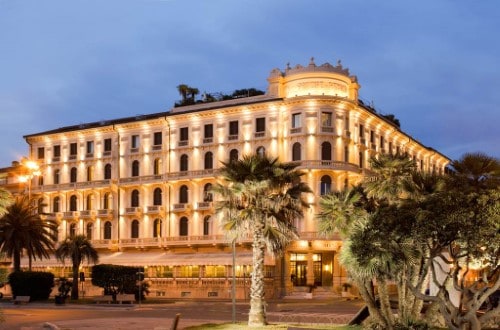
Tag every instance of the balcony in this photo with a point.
(106, 154)
(88, 214)
(154, 209)
(204, 205)
(134, 150)
(328, 164)
(105, 213)
(295, 130)
(55, 216)
(259, 134)
(72, 157)
(208, 140)
(157, 147)
(181, 207)
(71, 215)
(183, 143)
(133, 210)
(232, 137)
(327, 129)
(142, 179)
(56, 159)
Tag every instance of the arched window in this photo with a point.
(261, 151)
(183, 166)
(361, 160)
(56, 204)
(157, 166)
(135, 168)
(157, 196)
(326, 185)
(346, 154)
(296, 151)
(157, 228)
(106, 201)
(73, 202)
(72, 230)
(183, 226)
(233, 155)
(90, 173)
(107, 230)
(209, 161)
(134, 200)
(57, 174)
(107, 172)
(40, 180)
(90, 228)
(90, 202)
(207, 193)
(207, 225)
(73, 174)
(326, 151)
(134, 230)
(183, 194)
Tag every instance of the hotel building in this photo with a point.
(139, 187)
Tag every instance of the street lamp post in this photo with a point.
(33, 170)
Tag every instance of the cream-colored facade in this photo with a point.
(138, 187)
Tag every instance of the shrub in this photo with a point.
(37, 285)
(118, 279)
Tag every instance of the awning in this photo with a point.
(147, 258)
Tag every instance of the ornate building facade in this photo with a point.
(139, 187)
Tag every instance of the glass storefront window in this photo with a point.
(189, 271)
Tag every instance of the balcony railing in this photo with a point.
(154, 209)
(328, 164)
(181, 207)
(87, 214)
(71, 214)
(104, 213)
(133, 210)
(204, 205)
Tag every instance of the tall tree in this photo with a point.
(77, 249)
(22, 228)
(476, 170)
(261, 197)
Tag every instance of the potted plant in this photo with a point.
(64, 288)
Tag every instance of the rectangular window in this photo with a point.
(57, 151)
(157, 139)
(73, 149)
(233, 127)
(135, 142)
(361, 131)
(90, 147)
(296, 121)
(346, 123)
(41, 153)
(209, 131)
(372, 137)
(326, 119)
(382, 143)
(107, 144)
(184, 134)
(260, 125)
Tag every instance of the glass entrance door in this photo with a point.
(300, 273)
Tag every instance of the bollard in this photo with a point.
(176, 322)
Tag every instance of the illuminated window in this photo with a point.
(189, 271)
(207, 223)
(134, 230)
(156, 166)
(72, 230)
(215, 271)
(90, 202)
(157, 228)
(134, 199)
(207, 193)
(90, 147)
(326, 119)
(261, 151)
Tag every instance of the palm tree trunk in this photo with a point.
(30, 261)
(257, 314)
(74, 288)
(17, 261)
(385, 304)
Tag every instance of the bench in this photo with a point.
(21, 300)
(107, 299)
(121, 298)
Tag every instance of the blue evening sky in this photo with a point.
(435, 64)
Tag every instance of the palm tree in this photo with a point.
(5, 200)
(477, 170)
(262, 198)
(78, 249)
(183, 90)
(22, 228)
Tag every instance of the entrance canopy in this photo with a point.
(138, 259)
